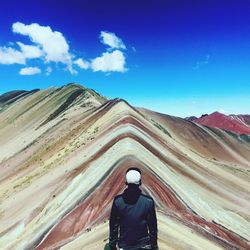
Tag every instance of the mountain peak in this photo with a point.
(74, 84)
(233, 123)
(217, 113)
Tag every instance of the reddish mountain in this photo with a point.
(244, 118)
(239, 124)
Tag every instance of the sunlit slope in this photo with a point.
(57, 187)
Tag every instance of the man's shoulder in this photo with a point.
(149, 198)
(117, 197)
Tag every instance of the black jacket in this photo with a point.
(134, 214)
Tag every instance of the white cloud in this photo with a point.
(81, 63)
(50, 46)
(112, 40)
(71, 70)
(30, 51)
(30, 71)
(9, 55)
(48, 71)
(52, 43)
(109, 61)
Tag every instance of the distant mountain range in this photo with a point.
(64, 153)
(239, 124)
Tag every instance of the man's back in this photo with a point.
(134, 213)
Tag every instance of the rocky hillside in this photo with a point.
(64, 154)
(238, 124)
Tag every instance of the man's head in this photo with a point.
(133, 176)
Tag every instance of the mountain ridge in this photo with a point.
(239, 124)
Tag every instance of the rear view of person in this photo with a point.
(133, 215)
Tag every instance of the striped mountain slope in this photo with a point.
(64, 153)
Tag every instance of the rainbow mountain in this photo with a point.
(64, 154)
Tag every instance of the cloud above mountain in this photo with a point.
(30, 71)
(110, 39)
(49, 46)
(109, 61)
(113, 60)
(82, 63)
(53, 44)
(9, 55)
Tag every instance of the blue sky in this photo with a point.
(177, 57)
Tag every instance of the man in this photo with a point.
(133, 213)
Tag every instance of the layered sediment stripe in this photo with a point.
(126, 149)
(84, 215)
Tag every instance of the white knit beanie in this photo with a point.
(133, 176)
